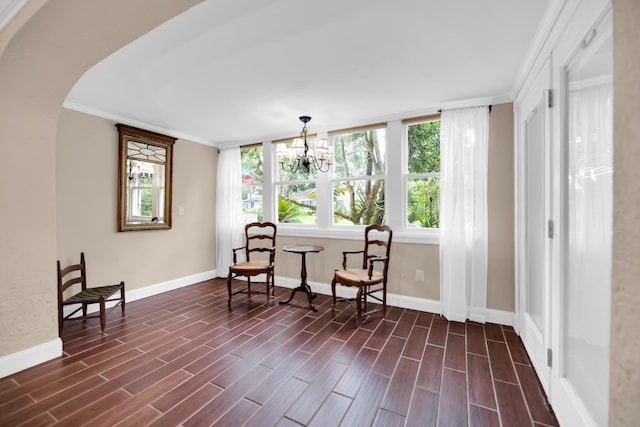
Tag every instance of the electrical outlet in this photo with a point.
(419, 275)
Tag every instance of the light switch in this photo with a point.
(180, 210)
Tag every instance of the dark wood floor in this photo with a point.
(184, 358)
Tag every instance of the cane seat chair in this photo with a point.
(370, 277)
(259, 258)
(68, 280)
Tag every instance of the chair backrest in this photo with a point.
(259, 237)
(377, 242)
(67, 278)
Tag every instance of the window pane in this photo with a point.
(297, 203)
(358, 202)
(252, 168)
(359, 153)
(252, 203)
(423, 202)
(424, 147)
(252, 179)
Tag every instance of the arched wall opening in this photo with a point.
(44, 50)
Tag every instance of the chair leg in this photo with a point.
(273, 283)
(60, 321)
(122, 297)
(384, 298)
(359, 306)
(229, 288)
(365, 293)
(103, 316)
(248, 287)
(268, 283)
(333, 293)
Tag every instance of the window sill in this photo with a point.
(430, 237)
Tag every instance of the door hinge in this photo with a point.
(550, 228)
(550, 98)
(549, 357)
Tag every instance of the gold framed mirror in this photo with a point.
(145, 163)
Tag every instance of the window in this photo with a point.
(366, 184)
(146, 190)
(252, 183)
(296, 193)
(359, 172)
(423, 175)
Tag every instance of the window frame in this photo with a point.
(277, 182)
(407, 176)
(395, 190)
(260, 185)
(335, 179)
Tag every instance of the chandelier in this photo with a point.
(300, 157)
(140, 173)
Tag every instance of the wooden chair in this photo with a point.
(260, 237)
(372, 277)
(77, 274)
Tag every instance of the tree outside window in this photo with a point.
(358, 184)
(423, 177)
(252, 183)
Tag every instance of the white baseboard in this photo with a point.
(21, 360)
(402, 301)
(500, 317)
(149, 291)
(16, 362)
(170, 285)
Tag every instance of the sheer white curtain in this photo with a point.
(228, 208)
(463, 213)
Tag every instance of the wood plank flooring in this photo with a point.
(185, 358)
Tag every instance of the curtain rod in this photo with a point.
(490, 105)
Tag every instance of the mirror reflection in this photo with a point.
(145, 180)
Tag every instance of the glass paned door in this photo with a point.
(589, 216)
(534, 204)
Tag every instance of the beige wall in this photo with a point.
(407, 258)
(501, 250)
(624, 399)
(87, 166)
(40, 62)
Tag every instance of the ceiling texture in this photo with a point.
(229, 72)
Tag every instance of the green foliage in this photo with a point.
(423, 194)
(288, 211)
(424, 147)
(251, 160)
(360, 154)
(146, 195)
(423, 204)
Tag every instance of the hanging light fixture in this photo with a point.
(299, 157)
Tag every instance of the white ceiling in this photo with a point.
(229, 71)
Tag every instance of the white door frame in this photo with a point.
(536, 343)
